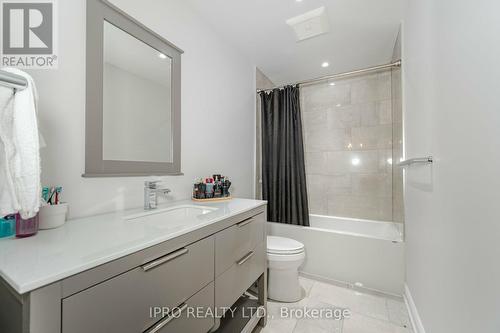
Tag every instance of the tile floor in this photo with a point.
(369, 313)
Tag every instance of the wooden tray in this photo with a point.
(212, 199)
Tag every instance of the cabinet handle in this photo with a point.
(245, 258)
(164, 259)
(168, 319)
(244, 223)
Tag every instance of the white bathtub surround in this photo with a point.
(358, 227)
(82, 244)
(357, 252)
(373, 314)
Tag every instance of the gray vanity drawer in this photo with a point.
(235, 281)
(122, 304)
(234, 242)
(185, 321)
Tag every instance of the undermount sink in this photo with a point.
(176, 213)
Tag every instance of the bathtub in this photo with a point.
(362, 253)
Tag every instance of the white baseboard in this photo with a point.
(416, 323)
(348, 285)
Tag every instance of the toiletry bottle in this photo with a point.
(227, 185)
(217, 190)
(26, 228)
(210, 188)
(196, 191)
(203, 190)
(7, 226)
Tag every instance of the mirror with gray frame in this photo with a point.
(132, 97)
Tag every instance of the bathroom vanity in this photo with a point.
(110, 273)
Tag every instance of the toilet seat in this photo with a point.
(283, 246)
(280, 259)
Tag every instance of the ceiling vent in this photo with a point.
(310, 24)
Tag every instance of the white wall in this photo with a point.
(218, 107)
(452, 110)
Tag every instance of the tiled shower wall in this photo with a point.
(348, 135)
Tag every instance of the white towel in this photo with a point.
(20, 187)
(8, 198)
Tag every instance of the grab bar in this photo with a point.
(418, 160)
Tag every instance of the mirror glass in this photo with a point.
(137, 100)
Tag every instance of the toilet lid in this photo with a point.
(282, 245)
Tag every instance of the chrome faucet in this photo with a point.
(151, 192)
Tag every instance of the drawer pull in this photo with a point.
(164, 259)
(245, 258)
(168, 319)
(244, 223)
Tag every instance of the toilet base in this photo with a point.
(284, 286)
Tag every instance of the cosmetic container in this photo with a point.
(209, 188)
(26, 228)
(52, 216)
(7, 226)
(212, 189)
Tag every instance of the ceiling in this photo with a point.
(362, 34)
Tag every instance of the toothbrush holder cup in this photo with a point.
(53, 216)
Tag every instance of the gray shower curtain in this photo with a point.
(283, 166)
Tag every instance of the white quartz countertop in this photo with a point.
(81, 244)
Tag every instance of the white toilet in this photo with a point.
(284, 257)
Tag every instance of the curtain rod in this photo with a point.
(11, 80)
(340, 75)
